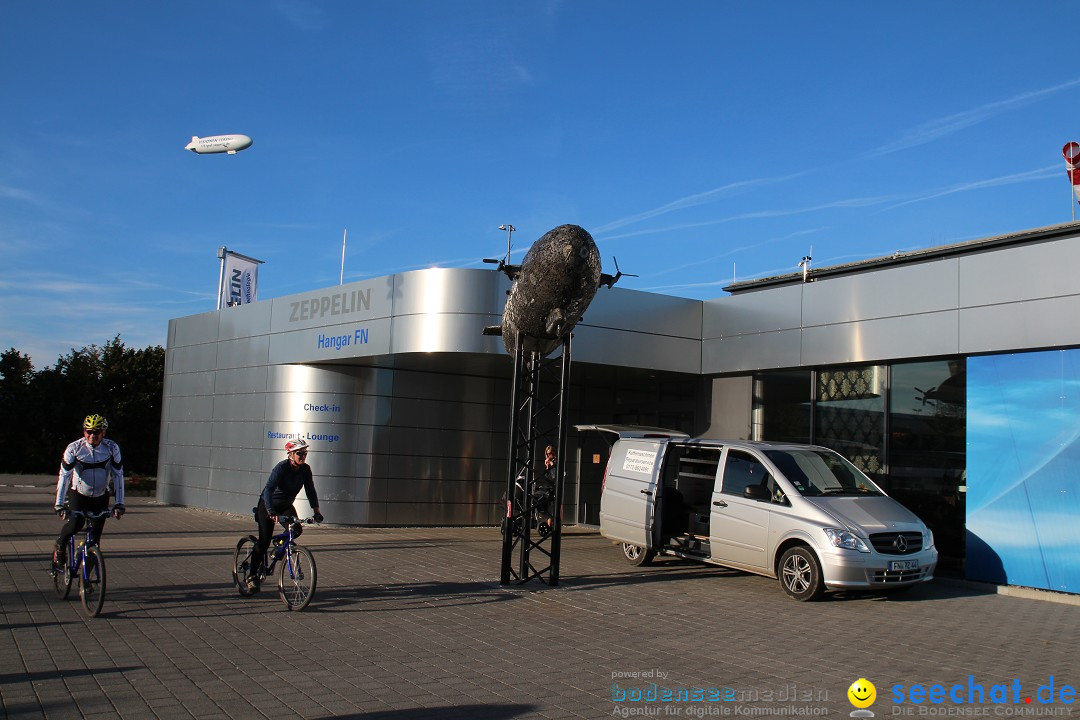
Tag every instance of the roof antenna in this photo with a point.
(805, 265)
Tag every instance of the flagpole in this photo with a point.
(344, 233)
(221, 276)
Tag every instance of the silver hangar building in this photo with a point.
(949, 375)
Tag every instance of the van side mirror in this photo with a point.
(756, 492)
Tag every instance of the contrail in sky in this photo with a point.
(692, 200)
(1040, 174)
(939, 128)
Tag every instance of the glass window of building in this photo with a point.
(849, 415)
(927, 445)
(782, 402)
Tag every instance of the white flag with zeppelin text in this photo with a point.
(240, 281)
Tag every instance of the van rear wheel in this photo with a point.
(637, 555)
(800, 574)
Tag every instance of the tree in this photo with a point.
(15, 392)
(48, 407)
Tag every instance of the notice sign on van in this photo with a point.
(639, 461)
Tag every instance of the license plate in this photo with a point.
(897, 565)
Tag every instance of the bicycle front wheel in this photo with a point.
(245, 551)
(296, 581)
(92, 581)
(62, 578)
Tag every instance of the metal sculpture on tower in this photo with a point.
(552, 287)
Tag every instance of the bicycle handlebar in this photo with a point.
(289, 520)
(88, 515)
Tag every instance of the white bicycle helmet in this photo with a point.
(298, 444)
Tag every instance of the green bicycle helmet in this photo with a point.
(95, 422)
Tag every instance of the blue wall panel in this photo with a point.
(1023, 461)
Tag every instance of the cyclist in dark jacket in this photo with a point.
(277, 498)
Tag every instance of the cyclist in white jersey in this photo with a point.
(86, 469)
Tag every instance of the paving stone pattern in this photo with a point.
(412, 623)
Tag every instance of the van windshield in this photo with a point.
(821, 472)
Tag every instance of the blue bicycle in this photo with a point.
(85, 562)
(296, 581)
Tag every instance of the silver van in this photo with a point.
(800, 513)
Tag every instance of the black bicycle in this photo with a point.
(85, 562)
(540, 517)
(296, 581)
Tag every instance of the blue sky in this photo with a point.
(696, 141)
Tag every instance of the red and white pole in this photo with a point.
(1071, 151)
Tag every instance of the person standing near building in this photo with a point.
(87, 468)
(277, 498)
(544, 492)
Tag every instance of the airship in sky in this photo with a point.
(230, 144)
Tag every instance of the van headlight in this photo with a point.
(845, 539)
(927, 539)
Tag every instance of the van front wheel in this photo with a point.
(637, 555)
(800, 574)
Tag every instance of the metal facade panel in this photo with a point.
(908, 290)
(233, 459)
(348, 379)
(363, 338)
(191, 358)
(245, 321)
(235, 381)
(234, 502)
(189, 433)
(181, 454)
(441, 332)
(196, 383)
(412, 513)
(621, 309)
(441, 414)
(238, 408)
(191, 475)
(351, 438)
(461, 470)
(752, 313)
(195, 329)
(641, 350)
(438, 291)
(747, 353)
(243, 352)
(327, 408)
(732, 408)
(348, 489)
(447, 443)
(197, 408)
(1053, 322)
(239, 482)
(184, 494)
(361, 513)
(908, 336)
(429, 491)
(439, 386)
(350, 304)
(237, 436)
(1018, 274)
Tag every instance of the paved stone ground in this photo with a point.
(412, 623)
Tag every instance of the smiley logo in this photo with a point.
(862, 693)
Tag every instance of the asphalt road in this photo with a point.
(412, 623)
